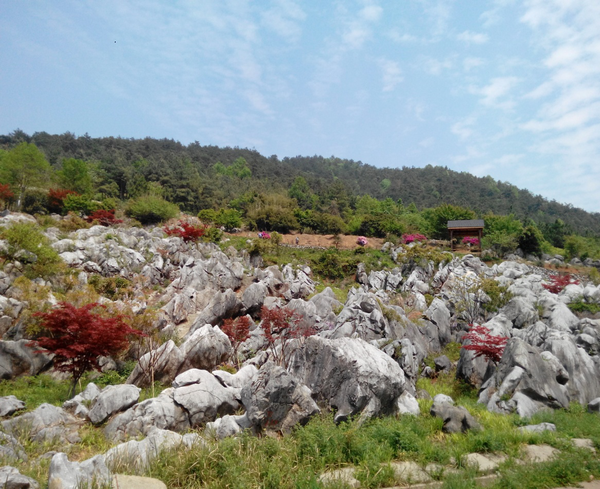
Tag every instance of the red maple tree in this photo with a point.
(237, 331)
(5, 193)
(78, 336)
(485, 344)
(281, 326)
(186, 231)
(56, 197)
(104, 218)
(559, 282)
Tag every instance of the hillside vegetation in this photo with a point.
(150, 180)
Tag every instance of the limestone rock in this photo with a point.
(11, 478)
(10, 405)
(206, 348)
(112, 399)
(349, 375)
(64, 474)
(277, 401)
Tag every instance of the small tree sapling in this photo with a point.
(281, 326)
(78, 336)
(485, 344)
(237, 331)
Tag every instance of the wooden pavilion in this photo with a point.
(467, 228)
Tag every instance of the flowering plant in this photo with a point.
(485, 344)
(362, 241)
(411, 238)
(468, 240)
(264, 235)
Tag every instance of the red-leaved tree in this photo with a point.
(281, 326)
(104, 218)
(6, 193)
(56, 197)
(238, 331)
(485, 344)
(78, 336)
(186, 231)
(559, 282)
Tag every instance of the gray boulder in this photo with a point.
(165, 362)
(11, 478)
(138, 455)
(242, 377)
(277, 401)
(18, 358)
(78, 405)
(113, 399)
(158, 412)
(520, 311)
(46, 423)
(350, 375)
(206, 348)
(11, 449)
(71, 475)
(223, 305)
(523, 382)
(254, 297)
(228, 425)
(10, 405)
(361, 317)
(203, 397)
(456, 418)
(584, 374)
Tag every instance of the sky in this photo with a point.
(504, 88)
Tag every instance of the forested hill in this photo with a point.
(189, 176)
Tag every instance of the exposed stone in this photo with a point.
(11, 478)
(18, 358)
(456, 418)
(136, 482)
(10, 405)
(111, 400)
(64, 474)
(350, 375)
(166, 362)
(206, 348)
(276, 400)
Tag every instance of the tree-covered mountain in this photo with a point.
(191, 177)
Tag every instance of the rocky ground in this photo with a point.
(363, 360)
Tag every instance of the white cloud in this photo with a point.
(472, 37)
(284, 18)
(435, 66)
(470, 63)
(391, 74)
(371, 13)
(464, 129)
(494, 94)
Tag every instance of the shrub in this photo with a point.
(281, 326)
(212, 235)
(104, 218)
(188, 232)
(531, 240)
(498, 294)
(485, 344)
(438, 218)
(559, 282)
(362, 241)
(468, 240)
(80, 204)
(581, 306)
(229, 219)
(6, 194)
(207, 215)
(151, 209)
(56, 197)
(237, 331)
(35, 201)
(333, 265)
(114, 288)
(411, 238)
(27, 244)
(78, 337)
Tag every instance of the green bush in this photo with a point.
(228, 218)
(531, 241)
(81, 204)
(27, 244)
(151, 209)
(207, 215)
(438, 218)
(333, 265)
(35, 202)
(379, 226)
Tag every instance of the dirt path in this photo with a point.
(321, 240)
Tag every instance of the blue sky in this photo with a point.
(504, 88)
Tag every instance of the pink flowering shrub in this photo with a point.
(264, 235)
(362, 241)
(468, 240)
(411, 238)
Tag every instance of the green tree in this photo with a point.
(438, 218)
(24, 166)
(75, 175)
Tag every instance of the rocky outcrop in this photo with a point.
(47, 423)
(10, 405)
(64, 474)
(19, 358)
(349, 375)
(113, 399)
(277, 401)
(11, 478)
